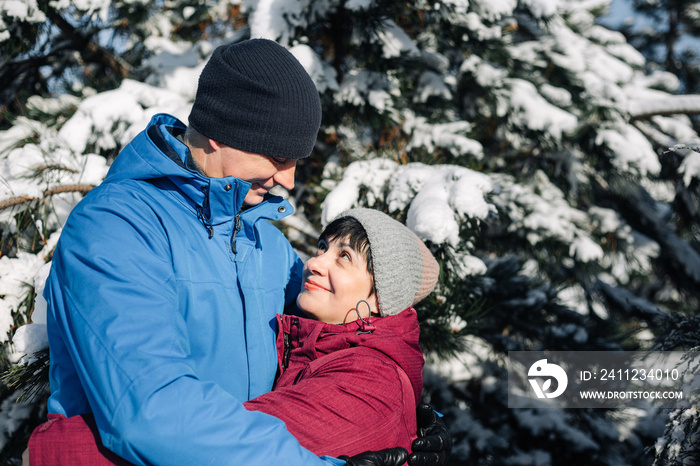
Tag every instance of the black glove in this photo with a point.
(389, 457)
(434, 444)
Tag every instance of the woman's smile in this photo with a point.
(311, 286)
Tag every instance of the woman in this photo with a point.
(351, 372)
(350, 368)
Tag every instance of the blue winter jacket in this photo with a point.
(162, 304)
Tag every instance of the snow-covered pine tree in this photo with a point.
(520, 140)
(581, 189)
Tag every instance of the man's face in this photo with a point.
(335, 280)
(261, 171)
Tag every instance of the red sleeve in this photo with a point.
(69, 441)
(346, 403)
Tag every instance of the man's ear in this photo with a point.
(215, 145)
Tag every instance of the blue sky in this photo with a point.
(621, 11)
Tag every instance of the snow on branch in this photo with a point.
(669, 105)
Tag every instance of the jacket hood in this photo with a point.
(223, 197)
(395, 336)
(132, 164)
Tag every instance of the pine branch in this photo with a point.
(56, 167)
(669, 105)
(17, 200)
(639, 209)
(31, 378)
(87, 46)
(70, 188)
(682, 147)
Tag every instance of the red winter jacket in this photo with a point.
(342, 391)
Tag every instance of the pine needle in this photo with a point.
(31, 378)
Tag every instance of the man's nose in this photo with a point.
(285, 176)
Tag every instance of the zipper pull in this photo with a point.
(236, 229)
(288, 344)
(287, 352)
(202, 213)
(205, 221)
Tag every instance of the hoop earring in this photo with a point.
(369, 315)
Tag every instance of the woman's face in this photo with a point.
(335, 280)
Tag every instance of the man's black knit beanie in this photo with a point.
(256, 97)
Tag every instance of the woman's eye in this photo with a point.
(346, 256)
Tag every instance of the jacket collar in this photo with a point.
(156, 153)
(395, 336)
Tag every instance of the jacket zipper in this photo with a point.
(288, 345)
(287, 352)
(236, 229)
(202, 213)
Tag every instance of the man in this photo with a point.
(167, 278)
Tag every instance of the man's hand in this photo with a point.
(434, 444)
(389, 457)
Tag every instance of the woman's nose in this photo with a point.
(316, 264)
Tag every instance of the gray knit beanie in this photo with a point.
(405, 271)
(256, 97)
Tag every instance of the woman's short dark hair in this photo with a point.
(350, 229)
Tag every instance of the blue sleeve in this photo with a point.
(114, 303)
(295, 279)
